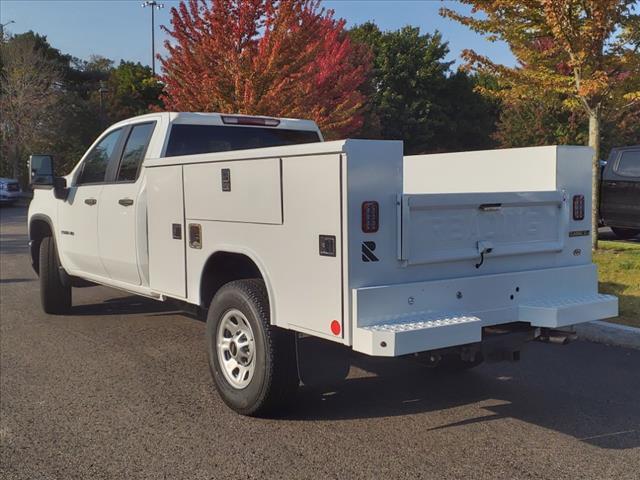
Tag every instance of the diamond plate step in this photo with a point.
(414, 335)
(561, 312)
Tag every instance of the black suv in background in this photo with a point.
(620, 192)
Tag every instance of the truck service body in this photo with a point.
(346, 241)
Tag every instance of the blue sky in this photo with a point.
(120, 29)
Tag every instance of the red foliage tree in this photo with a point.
(286, 58)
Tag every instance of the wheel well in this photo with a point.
(38, 229)
(222, 268)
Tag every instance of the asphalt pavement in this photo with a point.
(120, 389)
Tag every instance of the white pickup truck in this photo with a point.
(282, 238)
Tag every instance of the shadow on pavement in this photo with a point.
(550, 388)
(16, 280)
(128, 305)
(403, 387)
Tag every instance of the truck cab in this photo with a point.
(100, 224)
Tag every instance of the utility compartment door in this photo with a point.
(235, 191)
(167, 272)
(460, 226)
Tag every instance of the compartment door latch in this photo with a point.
(483, 247)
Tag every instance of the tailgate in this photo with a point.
(463, 226)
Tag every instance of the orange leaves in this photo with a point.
(564, 47)
(269, 57)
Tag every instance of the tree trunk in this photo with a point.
(594, 142)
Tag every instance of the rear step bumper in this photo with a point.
(397, 320)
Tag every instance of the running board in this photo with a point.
(416, 335)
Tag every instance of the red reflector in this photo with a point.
(258, 121)
(578, 207)
(370, 217)
(335, 327)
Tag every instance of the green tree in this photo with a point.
(414, 97)
(132, 90)
(29, 91)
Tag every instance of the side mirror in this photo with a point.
(41, 173)
(40, 170)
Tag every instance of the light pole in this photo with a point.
(102, 91)
(153, 4)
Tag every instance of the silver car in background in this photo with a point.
(9, 191)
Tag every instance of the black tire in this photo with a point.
(55, 296)
(275, 375)
(625, 233)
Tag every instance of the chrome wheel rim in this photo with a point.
(236, 348)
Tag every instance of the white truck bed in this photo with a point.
(439, 216)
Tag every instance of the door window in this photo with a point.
(134, 152)
(629, 164)
(95, 165)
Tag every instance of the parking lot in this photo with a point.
(120, 388)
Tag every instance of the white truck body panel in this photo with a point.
(508, 170)
(465, 240)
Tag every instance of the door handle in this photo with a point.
(90, 201)
(125, 202)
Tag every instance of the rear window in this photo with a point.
(629, 164)
(192, 139)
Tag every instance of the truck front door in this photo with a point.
(78, 214)
(120, 211)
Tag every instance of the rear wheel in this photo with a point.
(253, 363)
(55, 296)
(625, 233)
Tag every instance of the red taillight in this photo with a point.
(370, 217)
(578, 207)
(257, 121)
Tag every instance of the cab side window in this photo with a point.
(134, 152)
(95, 165)
(629, 164)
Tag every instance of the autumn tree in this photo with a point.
(584, 50)
(285, 58)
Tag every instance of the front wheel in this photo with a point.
(55, 296)
(253, 363)
(625, 233)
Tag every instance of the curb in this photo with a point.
(609, 334)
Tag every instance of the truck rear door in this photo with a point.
(118, 206)
(474, 226)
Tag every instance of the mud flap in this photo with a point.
(321, 363)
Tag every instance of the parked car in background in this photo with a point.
(620, 192)
(9, 191)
